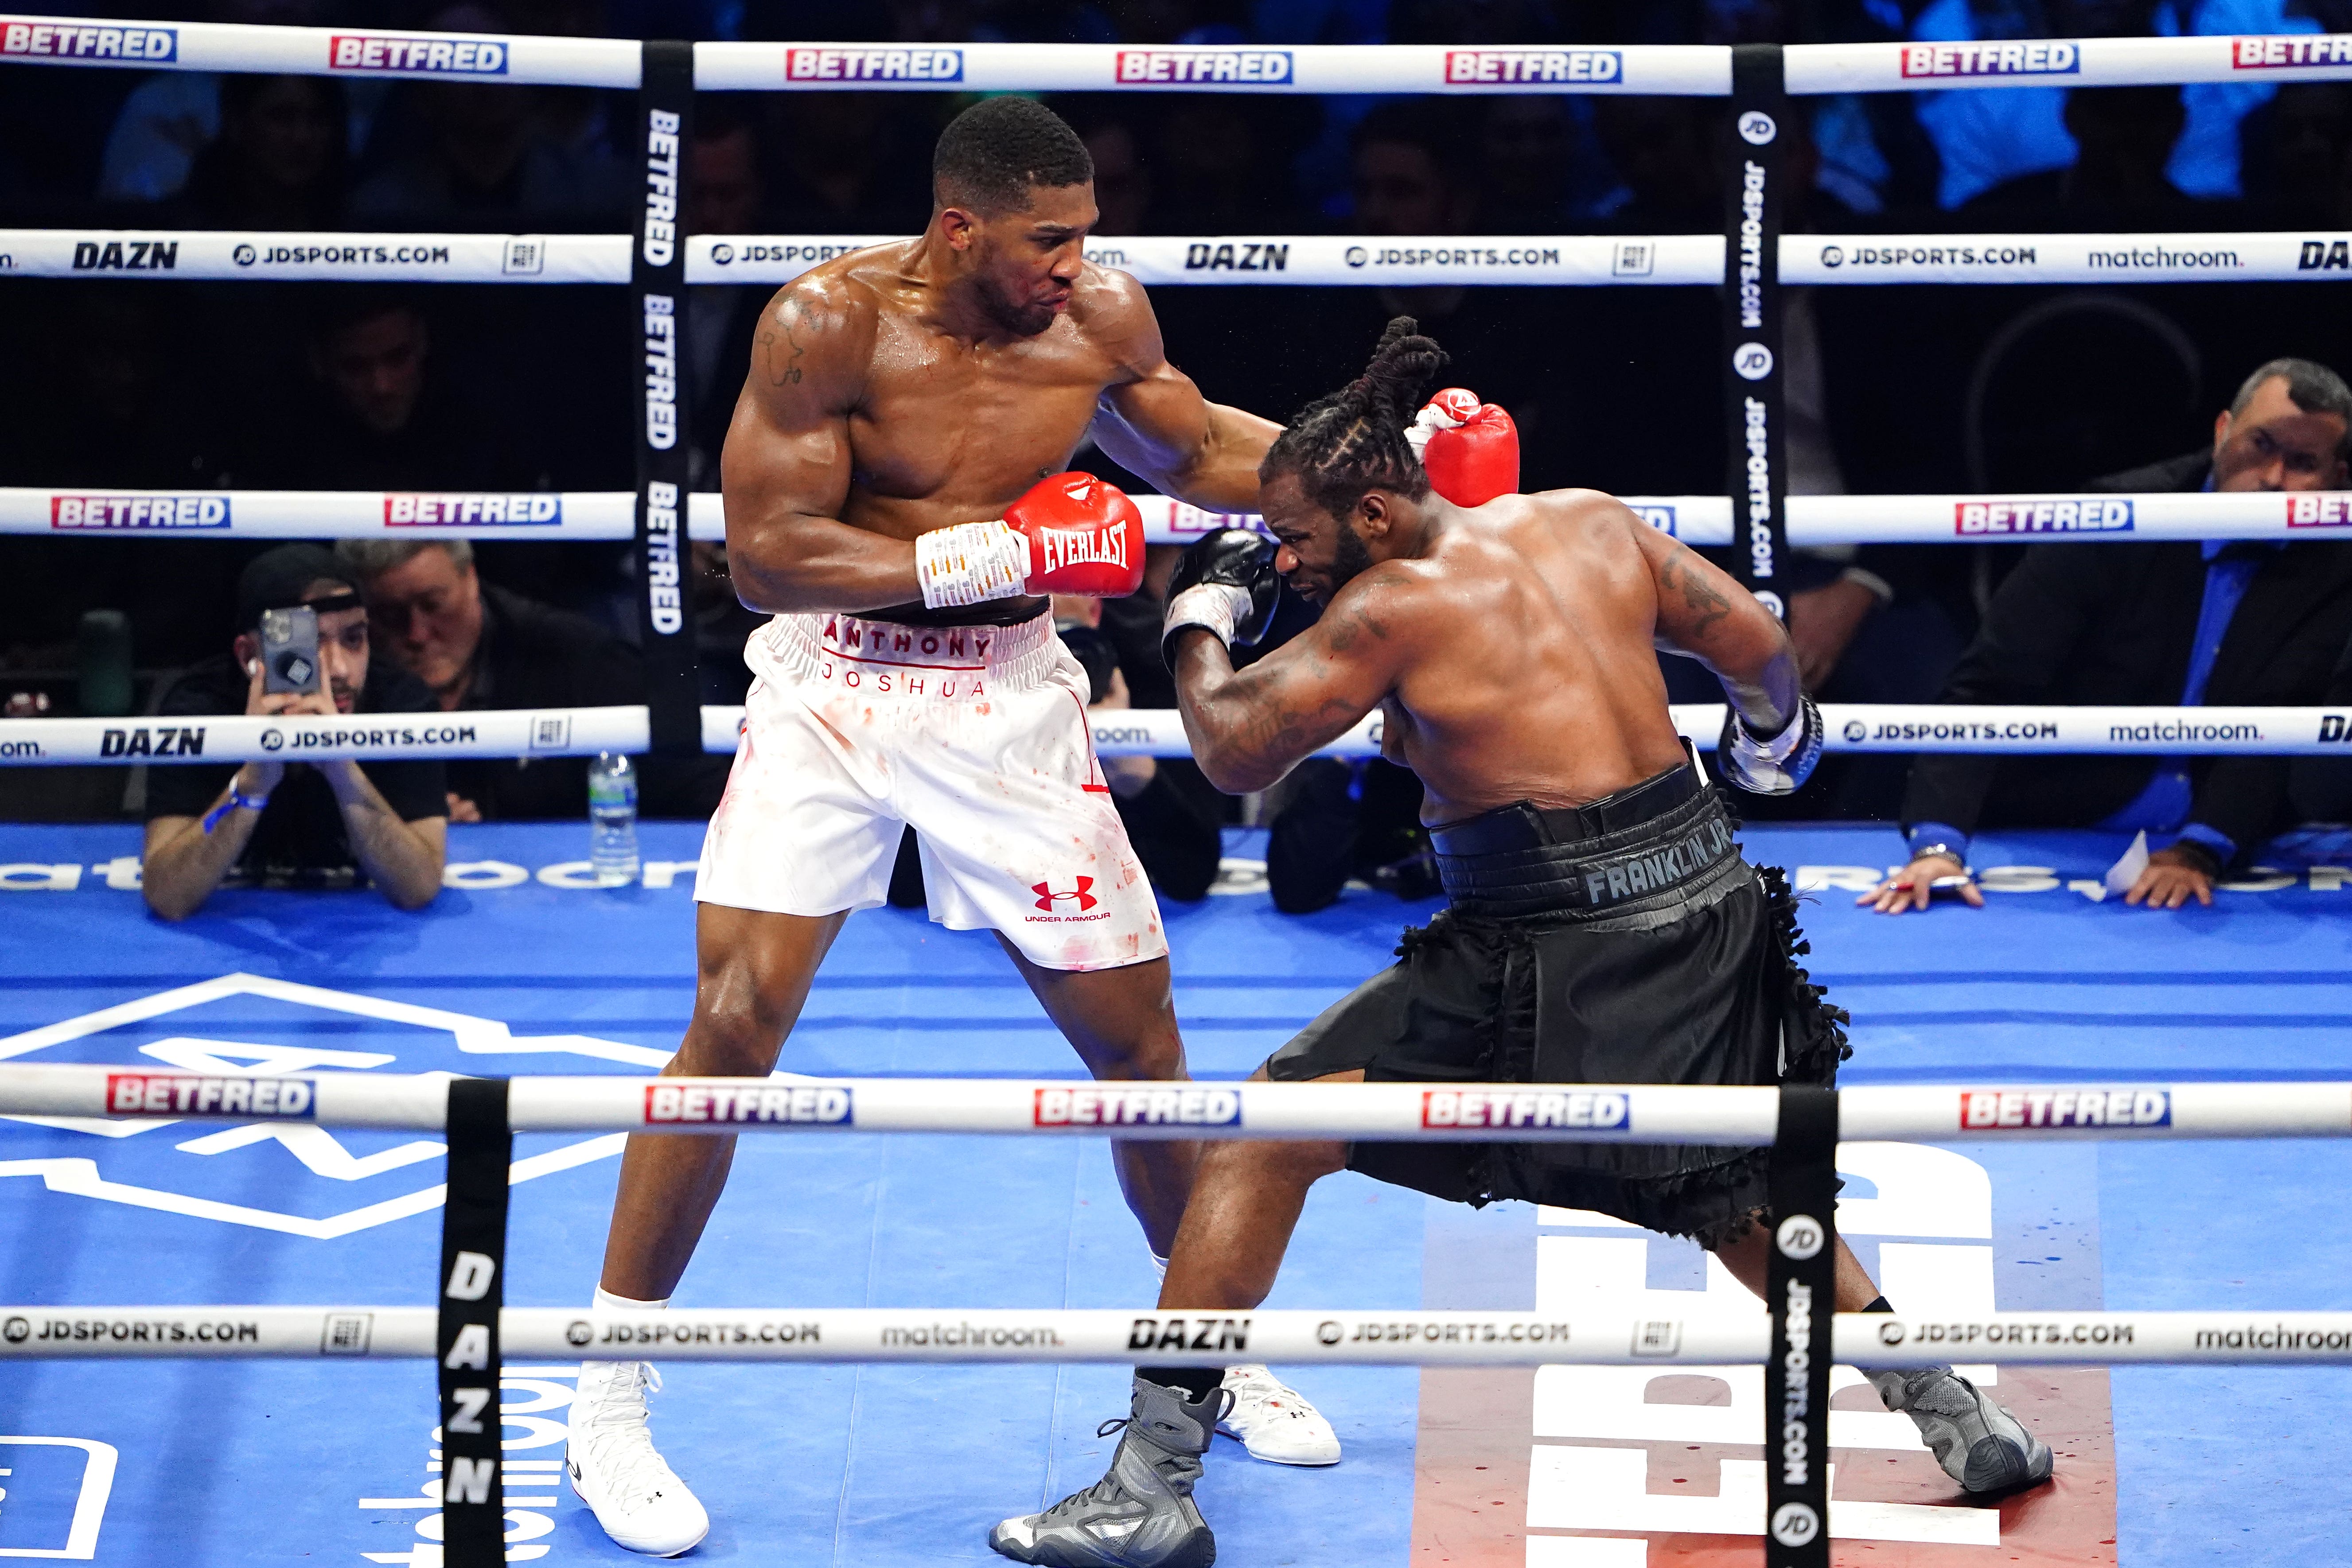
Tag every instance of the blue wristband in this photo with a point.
(1922, 836)
(237, 798)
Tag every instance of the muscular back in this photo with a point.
(1512, 647)
(1538, 676)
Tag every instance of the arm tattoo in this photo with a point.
(1702, 600)
(773, 340)
(1343, 635)
(1285, 734)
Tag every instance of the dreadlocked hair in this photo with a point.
(1353, 441)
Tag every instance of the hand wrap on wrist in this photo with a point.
(1778, 765)
(966, 562)
(1216, 607)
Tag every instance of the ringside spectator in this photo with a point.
(324, 824)
(385, 414)
(167, 120)
(475, 646)
(474, 156)
(280, 159)
(2255, 623)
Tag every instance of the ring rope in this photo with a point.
(1332, 1336)
(1561, 261)
(1402, 1112)
(588, 515)
(1668, 70)
(1904, 727)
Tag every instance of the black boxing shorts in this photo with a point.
(1623, 941)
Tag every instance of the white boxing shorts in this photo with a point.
(975, 736)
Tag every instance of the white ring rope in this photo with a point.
(324, 256)
(1403, 1112)
(1690, 70)
(361, 52)
(367, 737)
(2067, 62)
(611, 515)
(1888, 727)
(1552, 261)
(1331, 1337)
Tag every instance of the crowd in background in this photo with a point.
(189, 385)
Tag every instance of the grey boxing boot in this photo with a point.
(1980, 1444)
(1140, 1514)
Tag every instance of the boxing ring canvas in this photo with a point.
(195, 1463)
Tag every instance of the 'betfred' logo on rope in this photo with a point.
(2031, 57)
(435, 56)
(2286, 53)
(164, 1094)
(440, 511)
(874, 65)
(1175, 1106)
(77, 41)
(1268, 66)
(1998, 519)
(1601, 1112)
(139, 513)
(674, 1104)
(1994, 1109)
(1499, 66)
(2319, 510)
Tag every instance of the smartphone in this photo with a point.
(289, 649)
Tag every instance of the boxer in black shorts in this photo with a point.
(1602, 926)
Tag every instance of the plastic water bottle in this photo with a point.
(613, 820)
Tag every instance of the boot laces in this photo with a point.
(1110, 1490)
(620, 1443)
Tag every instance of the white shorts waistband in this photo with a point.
(830, 646)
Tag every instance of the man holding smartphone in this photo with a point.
(303, 649)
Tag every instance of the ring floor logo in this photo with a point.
(53, 1500)
(1675, 1453)
(534, 1407)
(320, 1182)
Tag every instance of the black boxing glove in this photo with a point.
(1774, 766)
(1226, 583)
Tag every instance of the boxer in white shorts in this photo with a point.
(978, 737)
(896, 499)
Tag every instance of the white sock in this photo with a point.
(596, 1377)
(623, 1304)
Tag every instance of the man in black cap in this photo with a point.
(324, 824)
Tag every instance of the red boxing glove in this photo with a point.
(1470, 450)
(1069, 534)
(1084, 537)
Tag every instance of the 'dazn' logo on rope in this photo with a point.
(1084, 895)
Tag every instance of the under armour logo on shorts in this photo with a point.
(1046, 896)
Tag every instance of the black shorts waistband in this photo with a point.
(1525, 826)
(1646, 850)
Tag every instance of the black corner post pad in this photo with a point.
(1802, 1289)
(473, 1287)
(657, 278)
(1754, 365)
